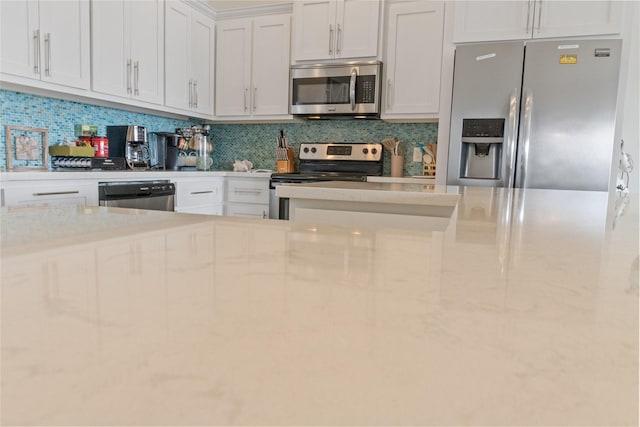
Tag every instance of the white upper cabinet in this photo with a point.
(128, 49)
(328, 29)
(233, 73)
(413, 60)
(525, 19)
(46, 41)
(189, 59)
(270, 71)
(252, 76)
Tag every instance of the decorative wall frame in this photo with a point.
(29, 147)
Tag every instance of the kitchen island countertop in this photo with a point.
(522, 310)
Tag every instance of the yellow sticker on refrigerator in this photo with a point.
(568, 59)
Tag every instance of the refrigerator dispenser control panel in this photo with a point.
(482, 128)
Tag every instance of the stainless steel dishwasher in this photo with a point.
(151, 195)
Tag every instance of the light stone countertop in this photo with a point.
(372, 192)
(122, 175)
(523, 311)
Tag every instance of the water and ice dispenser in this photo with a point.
(482, 141)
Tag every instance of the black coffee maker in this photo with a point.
(131, 143)
(164, 150)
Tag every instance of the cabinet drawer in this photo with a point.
(198, 193)
(248, 191)
(202, 210)
(51, 192)
(247, 210)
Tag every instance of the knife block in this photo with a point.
(287, 165)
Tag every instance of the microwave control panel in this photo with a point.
(366, 90)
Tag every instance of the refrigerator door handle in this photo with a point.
(511, 139)
(521, 179)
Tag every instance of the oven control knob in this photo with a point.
(306, 149)
(313, 149)
(365, 150)
(374, 150)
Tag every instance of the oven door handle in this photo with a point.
(352, 89)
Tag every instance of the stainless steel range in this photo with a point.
(327, 161)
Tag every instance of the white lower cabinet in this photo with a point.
(247, 197)
(76, 192)
(199, 195)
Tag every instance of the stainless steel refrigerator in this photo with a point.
(535, 114)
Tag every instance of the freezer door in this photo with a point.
(566, 137)
(486, 85)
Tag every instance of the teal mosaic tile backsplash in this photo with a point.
(257, 142)
(254, 142)
(59, 117)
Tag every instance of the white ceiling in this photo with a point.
(241, 4)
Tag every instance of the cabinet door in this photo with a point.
(202, 62)
(493, 20)
(315, 29)
(572, 18)
(270, 75)
(414, 56)
(357, 28)
(19, 44)
(177, 55)
(233, 54)
(64, 28)
(110, 47)
(147, 50)
(247, 210)
(250, 190)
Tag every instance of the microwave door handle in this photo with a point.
(352, 89)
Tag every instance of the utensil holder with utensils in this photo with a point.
(429, 160)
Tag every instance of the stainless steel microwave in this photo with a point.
(345, 89)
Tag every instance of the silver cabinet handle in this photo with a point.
(338, 40)
(47, 54)
(246, 92)
(195, 94)
(511, 138)
(539, 13)
(202, 192)
(136, 74)
(57, 193)
(352, 88)
(528, 16)
(190, 93)
(330, 39)
(388, 93)
(36, 51)
(521, 180)
(246, 191)
(128, 75)
(255, 97)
